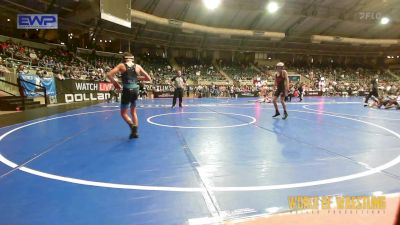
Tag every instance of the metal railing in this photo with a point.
(9, 87)
(16, 86)
(10, 62)
(46, 101)
(18, 61)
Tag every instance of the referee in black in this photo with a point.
(179, 84)
(373, 91)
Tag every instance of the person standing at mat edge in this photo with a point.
(130, 74)
(373, 91)
(281, 89)
(179, 83)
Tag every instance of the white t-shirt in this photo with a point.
(179, 82)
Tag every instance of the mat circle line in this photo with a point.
(370, 171)
(149, 120)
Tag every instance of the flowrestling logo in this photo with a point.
(37, 21)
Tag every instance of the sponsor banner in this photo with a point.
(37, 21)
(313, 93)
(294, 78)
(78, 91)
(31, 90)
(80, 97)
(248, 94)
(163, 94)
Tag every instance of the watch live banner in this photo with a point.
(79, 90)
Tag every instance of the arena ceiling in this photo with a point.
(298, 19)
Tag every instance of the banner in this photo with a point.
(37, 21)
(313, 93)
(50, 86)
(248, 94)
(78, 91)
(163, 94)
(294, 78)
(32, 90)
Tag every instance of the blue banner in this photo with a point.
(32, 90)
(50, 86)
(37, 21)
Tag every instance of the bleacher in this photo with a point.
(54, 60)
(240, 72)
(203, 72)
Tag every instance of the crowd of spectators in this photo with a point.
(3, 67)
(240, 71)
(57, 62)
(63, 65)
(200, 70)
(157, 67)
(345, 81)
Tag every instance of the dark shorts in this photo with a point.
(374, 92)
(280, 92)
(129, 97)
(390, 102)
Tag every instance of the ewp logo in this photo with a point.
(37, 21)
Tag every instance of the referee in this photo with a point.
(179, 83)
(373, 91)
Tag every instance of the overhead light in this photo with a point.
(120, 52)
(385, 20)
(388, 56)
(272, 7)
(398, 56)
(101, 40)
(109, 41)
(70, 37)
(62, 43)
(8, 20)
(211, 4)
